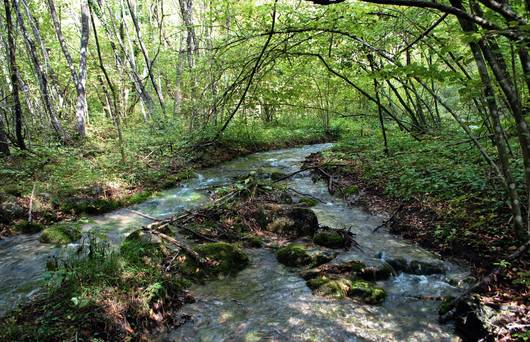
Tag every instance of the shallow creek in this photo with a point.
(268, 301)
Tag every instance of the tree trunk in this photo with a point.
(13, 76)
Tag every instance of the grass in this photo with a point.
(92, 178)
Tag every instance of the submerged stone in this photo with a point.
(294, 254)
(330, 239)
(309, 201)
(61, 234)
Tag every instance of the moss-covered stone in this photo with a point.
(61, 234)
(294, 254)
(330, 239)
(252, 240)
(334, 288)
(309, 201)
(26, 227)
(367, 292)
(381, 272)
(223, 259)
(287, 220)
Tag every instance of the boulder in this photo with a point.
(288, 220)
(341, 287)
(425, 267)
(330, 239)
(222, 259)
(61, 234)
(375, 273)
(474, 320)
(294, 255)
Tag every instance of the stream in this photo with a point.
(268, 301)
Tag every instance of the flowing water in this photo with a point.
(268, 301)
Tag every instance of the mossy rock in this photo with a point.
(309, 201)
(425, 267)
(294, 255)
(367, 292)
(341, 287)
(335, 288)
(287, 220)
(381, 272)
(252, 240)
(61, 234)
(330, 239)
(26, 227)
(224, 259)
(138, 197)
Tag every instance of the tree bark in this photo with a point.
(13, 72)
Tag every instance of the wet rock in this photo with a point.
(251, 240)
(329, 287)
(341, 287)
(398, 264)
(61, 234)
(310, 273)
(330, 239)
(367, 292)
(474, 320)
(416, 266)
(288, 220)
(375, 273)
(425, 268)
(144, 237)
(222, 259)
(9, 208)
(294, 255)
(321, 258)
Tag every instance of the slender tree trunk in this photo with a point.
(4, 142)
(378, 100)
(13, 72)
(41, 77)
(81, 111)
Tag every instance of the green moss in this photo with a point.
(61, 234)
(367, 292)
(350, 190)
(293, 254)
(28, 227)
(309, 201)
(331, 239)
(251, 240)
(222, 259)
(335, 288)
(138, 197)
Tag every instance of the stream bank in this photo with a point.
(66, 203)
(501, 310)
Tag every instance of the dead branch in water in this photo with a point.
(390, 220)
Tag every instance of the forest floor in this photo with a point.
(441, 196)
(64, 184)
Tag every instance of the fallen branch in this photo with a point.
(486, 280)
(306, 195)
(294, 173)
(30, 218)
(185, 248)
